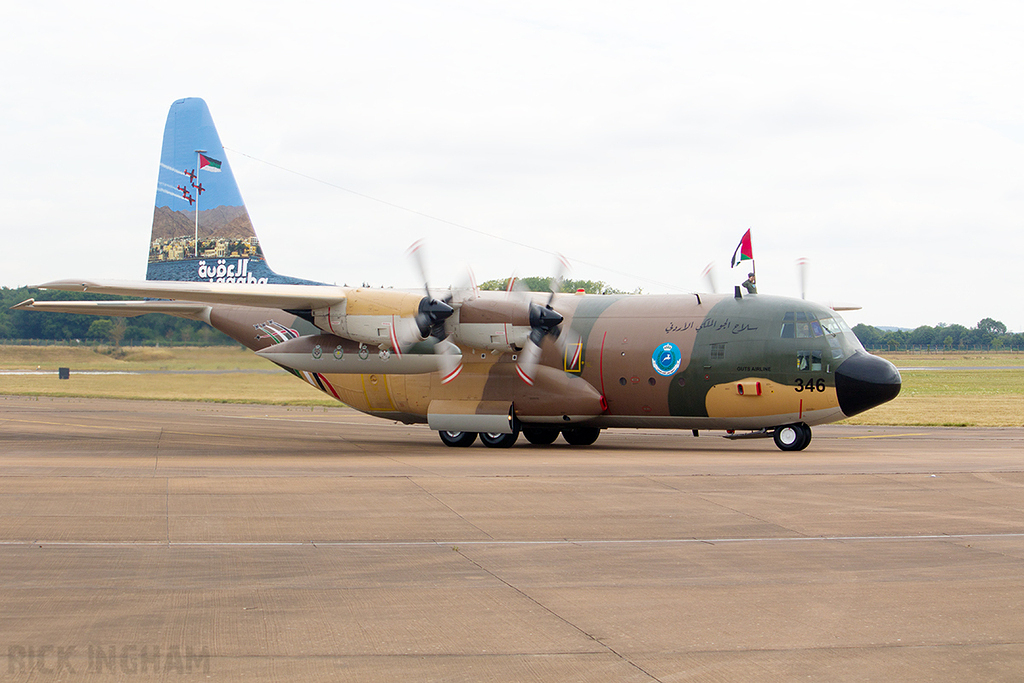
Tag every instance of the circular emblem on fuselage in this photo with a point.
(666, 359)
(339, 352)
(317, 352)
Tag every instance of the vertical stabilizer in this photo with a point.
(201, 229)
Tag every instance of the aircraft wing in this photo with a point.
(122, 309)
(285, 297)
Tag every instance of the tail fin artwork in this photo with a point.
(201, 229)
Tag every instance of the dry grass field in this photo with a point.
(225, 374)
(938, 389)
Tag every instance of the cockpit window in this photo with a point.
(804, 325)
(830, 326)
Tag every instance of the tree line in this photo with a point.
(988, 334)
(156, 328)
(153, 328)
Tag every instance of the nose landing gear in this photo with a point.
(792, 437)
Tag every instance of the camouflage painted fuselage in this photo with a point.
(674, 361)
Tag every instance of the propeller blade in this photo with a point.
(528, 359)
(451, 360)
(404, 334)
(801, 269)
(415, 252)
(571, 347)
(555, 283)
(466, 290)
(709, 277)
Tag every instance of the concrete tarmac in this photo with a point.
(180, 541)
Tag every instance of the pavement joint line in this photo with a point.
(564, 619)
(286, 419)
(881, 436)
(552, 542)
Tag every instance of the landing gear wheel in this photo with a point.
(794, 437)
(581, 436)
(807, 435)
(540, 436)
(500, 440)
(457, 439)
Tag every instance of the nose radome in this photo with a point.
(864, 381)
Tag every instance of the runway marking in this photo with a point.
(498, 542)
(883, 436)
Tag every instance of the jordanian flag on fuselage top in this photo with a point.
(208, 164)
(744, 252)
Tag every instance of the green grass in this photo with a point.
(954, 397)
(955, 359)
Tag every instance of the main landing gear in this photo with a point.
(794, 437)
(541, 436)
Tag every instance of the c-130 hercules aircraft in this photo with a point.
(493, 364)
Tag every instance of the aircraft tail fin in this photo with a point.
(201, 228)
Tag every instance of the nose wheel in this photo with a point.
(793, 437)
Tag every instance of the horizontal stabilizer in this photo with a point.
(118, 309)
(285, 297)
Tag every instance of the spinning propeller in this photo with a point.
(430, 321)
(544, 321)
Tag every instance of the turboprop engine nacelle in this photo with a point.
(492, 325)
(381, 317)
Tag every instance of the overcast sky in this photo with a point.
(882, 141)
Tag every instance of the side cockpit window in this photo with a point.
(808, 361)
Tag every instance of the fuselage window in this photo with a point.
(808, 361)
(717, 351)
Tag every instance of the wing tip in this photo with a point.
(25, 305)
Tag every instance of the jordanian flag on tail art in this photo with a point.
(208, 164)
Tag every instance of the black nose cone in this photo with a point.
(864, 381)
